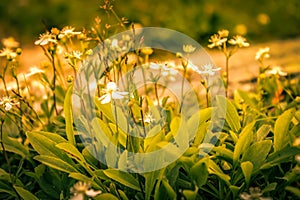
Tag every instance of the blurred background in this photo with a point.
(259, 20)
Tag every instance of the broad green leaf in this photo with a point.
(270, 187)
(45, 144)
(25, 194)
(245, 138)
(56, 163)
(72, 151)
(14, 146)
(257, 153)
(105, 196)
(197, 120)
(281, 129)
(170, 191)
(150, 180)
(124, 178)
(284, 155)
(79, 177)
(106, 109)
(199, 173)
(119, 136)
(69, 116)
(246, 96)
(201, 133)
(213, 168)
(189, 194)
(120, 119)
(262, 132)
(225, 153)
(180, 132)
(102, 132)
(228, 110)
(7, 177)
(247, 168)
(294, 190)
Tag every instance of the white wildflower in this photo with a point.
(111, 92)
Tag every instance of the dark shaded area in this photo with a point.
(260, 20)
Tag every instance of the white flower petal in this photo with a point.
(105, 99)
(92, 193)
(119, 95)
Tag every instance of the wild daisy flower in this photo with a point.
(276, 71)
(216, 41)
(223, 33)
(111, 92)
(68, 32)
(46, 38)
(262, 53)
(208, 69)
(33, 71)
(81, 190)
(8, 103)
(238, 40)
(188, 48)
(169, 72)
(8, 53)
(10, 42)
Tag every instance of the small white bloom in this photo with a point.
(115, 44)
(111, 92)
(155, 66)
(81, 190)
(188, 48)
(276, 71)
(169, 73)
(8, 103)
(207, 69)
(262, 53)
(148, 118)
(33, 71)
(46, 38)
(68, 32)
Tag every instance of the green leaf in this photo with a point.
(124, 178)
(245, 138)
(257, 153)
(56, 163)
(189, 194)
(106, 109)
(25, 194)
(197, 120)
(224, 152)
(7, 177)
(72, 151)
(150, 179)
(69, 116)
(247, 168)
(284, 155)
(281, 129)
(293, 190)
(199, 173)
(170, 191)
(213, 168)
(14, 146)
(105, 196)
(262, 132)
(228, 109)
(270, 187)
(79, 177)
(45, 144)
